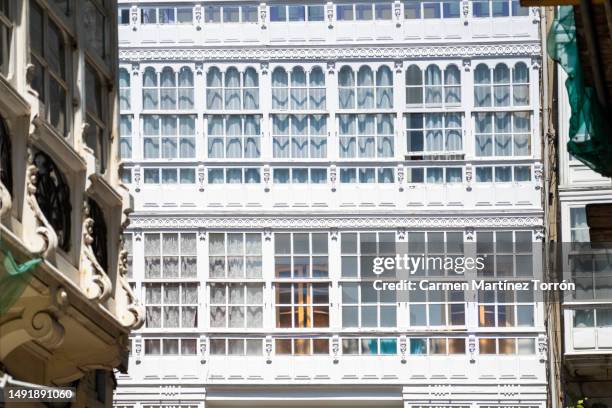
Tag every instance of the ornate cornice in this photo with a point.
(327, 222)
(330, 53)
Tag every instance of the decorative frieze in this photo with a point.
(330, 53)
(319, 221)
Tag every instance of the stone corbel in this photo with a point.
(472, 348)
(403, 348)
(400, 176)
(197, 16)
(329, 12)
(137, 178)
(203, 349)
(263, 16)
(335, 348)
(134, 18)
(130, 311)
(469, 176)
(397, 13)
(35, 321)
(137, 352)
(333, 176)
(542, 348)
(465, 11)
(538, 175)
(268, 349)
(201, 177)
(94, 280)
(45, 234)
(467, 64)
(266, 177)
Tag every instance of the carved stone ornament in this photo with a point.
(397, 13)
(48, 196)
(130, 311)
(197, 16)
(330, 15)
(203, 349)
(268, 349)
(94, 280)
(263, 15)
(6, 170)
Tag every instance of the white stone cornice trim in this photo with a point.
(331, 53)
(325, 222)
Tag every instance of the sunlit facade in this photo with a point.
(268, 145)
(66, 307)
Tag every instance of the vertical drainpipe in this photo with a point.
(552, 358)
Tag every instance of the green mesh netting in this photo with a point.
(589, 133)
(13, 278)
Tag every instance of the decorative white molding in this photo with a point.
(320, 221)
(331, 53)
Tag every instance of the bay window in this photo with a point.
(366, 135)
(364, 306)
(125, 136)
(168, 136)
(500, 86)
(170, 255)
(171, 305)
(232, 90)
(368, 91)
(298, 90)
(299, 136)
(125, 97)
(236, 305)
(505, 308)
(49, 57)
(434, 132)
(236, 347)
(97, 132)
(505, 253)
(301, 346)
(234, 255)
(503, 134)
(234, 136)
(432, 86)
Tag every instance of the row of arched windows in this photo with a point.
(301, 89)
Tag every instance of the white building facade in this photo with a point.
(268, 145)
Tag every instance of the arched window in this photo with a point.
(232, 90)
(365, 88)
(251, 89)
(384, 88)
(414, 85)
(452, 85)
(214, 89)
(167, 92)
(6, 162)
(346, 88)
(124, 90)
(501, 85)
(317, 88)
(171, 91)
(150, 92)
(433, 85)
(299, 89)
(53, 197)
(482, 86)
(520, 84)
(280, 85)
(185, 89)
